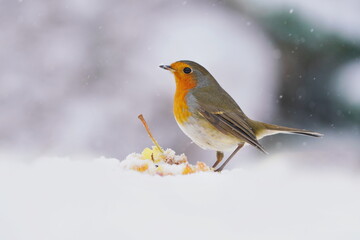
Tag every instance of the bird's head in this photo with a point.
(189, 74)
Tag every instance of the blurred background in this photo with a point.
(74, 75)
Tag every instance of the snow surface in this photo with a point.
(62, 198)
(161, 162)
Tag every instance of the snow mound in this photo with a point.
(63, 198)
(155, 161)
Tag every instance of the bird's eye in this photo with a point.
(187, 70)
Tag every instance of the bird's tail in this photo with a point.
(265, 129)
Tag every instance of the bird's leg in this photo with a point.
(229, 158)
(219, 158)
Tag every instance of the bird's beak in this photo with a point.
(167, 67)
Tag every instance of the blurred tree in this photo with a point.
(310, 60)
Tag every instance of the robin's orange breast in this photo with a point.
(181, 109)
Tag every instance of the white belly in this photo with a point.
(207, 136)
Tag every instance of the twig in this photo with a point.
(148, 131)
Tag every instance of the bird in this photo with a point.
(211, 118)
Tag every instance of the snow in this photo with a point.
(157, 161)
(63, 198)
(133, 162)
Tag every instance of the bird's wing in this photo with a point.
(225, 115)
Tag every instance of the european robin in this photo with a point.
(208, 115)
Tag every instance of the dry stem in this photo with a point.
(142, 119)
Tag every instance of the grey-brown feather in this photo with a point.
(225, 115)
